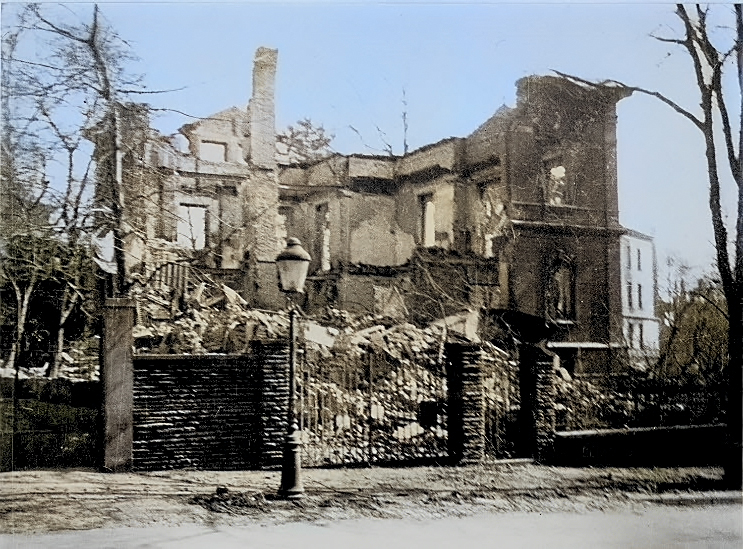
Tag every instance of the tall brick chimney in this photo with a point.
(260, 194)
(262, 110)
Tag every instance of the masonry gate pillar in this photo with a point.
(117, 384)
(466, 405)
(274, 401)
(538, 393)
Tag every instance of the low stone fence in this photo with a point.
(226, 411)
(217, 411)
(642, 446)
(210, 411)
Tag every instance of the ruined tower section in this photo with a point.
(260, 196)
(562, 180)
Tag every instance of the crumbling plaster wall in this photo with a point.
(226, 165)
(229, 128)
(375, 236)
(556, 119)
(363, 229)
(482, 213)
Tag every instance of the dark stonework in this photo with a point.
(195, 411)
(225, 412)
(545, 411)
(466, 419)
(274, 404)
(538, 394)
(116, 383)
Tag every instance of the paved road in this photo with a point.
(656, 526)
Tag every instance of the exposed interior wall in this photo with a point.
(482, 214)
(410, 213)
(375, 236)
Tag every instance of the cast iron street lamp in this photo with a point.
(292, 264)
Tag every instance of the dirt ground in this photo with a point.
(56, 500)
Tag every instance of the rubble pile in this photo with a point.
(379, 394)
(375, 395)
(582, 405)
(221, 324)
(502, 399)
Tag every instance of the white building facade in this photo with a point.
(638, 268)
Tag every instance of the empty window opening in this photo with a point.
(213, 151)
(322, 235)
(561, 290)
(427, 220)
(488, 252)
(191, 226)
(228, 189)
(556, 189)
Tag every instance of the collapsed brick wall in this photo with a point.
(210, 412)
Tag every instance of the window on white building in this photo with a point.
(639, 296)
(629, 295)
(629, 257)
(639, 259)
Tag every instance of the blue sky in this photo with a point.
(347, 64)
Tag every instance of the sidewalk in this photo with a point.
(42, 501)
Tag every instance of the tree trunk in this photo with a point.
(20, 331)
(57, 363)
(66, 309)
(23, 300)
(734, 459)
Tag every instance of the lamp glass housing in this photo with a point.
(292, 265)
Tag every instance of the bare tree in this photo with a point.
(68, 84)
(304, 142)
(711, 58)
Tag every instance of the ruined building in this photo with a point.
(521, 215)
(208, 196)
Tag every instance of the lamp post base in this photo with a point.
(291, 467)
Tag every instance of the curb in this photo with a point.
(697, 498)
